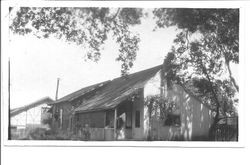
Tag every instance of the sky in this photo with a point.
(37, 63)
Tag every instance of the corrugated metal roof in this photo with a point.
(117, 91)
(80, 92)
(16, 111)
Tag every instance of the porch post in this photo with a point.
(115, 118)
(104, 124)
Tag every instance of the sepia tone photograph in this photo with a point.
(123, 74)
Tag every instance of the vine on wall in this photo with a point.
(159, 106)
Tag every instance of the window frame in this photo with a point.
(173, 120)
(137, 119)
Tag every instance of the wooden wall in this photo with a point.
(93, 119)
(196, 118)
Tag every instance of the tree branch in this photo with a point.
(228, 68)
(231, 77)
(212, 90)
(187, 39)
(116, 14)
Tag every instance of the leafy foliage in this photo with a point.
(224, 23)
(88, 27)
(203, 51)
(159, 107)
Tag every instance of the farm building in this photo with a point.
(125, 108)
(29, 116)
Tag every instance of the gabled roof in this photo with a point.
(117, 91)
(80, 92)
(107, 95)
(16, 111)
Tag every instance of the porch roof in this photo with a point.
(117, 91)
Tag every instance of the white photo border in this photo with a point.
(145, 4)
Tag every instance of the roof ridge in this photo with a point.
(138, 72)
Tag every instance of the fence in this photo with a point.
(96, 134)
(18, 134)
(227, 130)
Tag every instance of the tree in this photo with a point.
(219, 29)
(87, 27)
(202, 53)
(208, 42)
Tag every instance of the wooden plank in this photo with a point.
(115, 118)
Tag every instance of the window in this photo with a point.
(173, 120)
(70, 122)
(61, 118)
(128, 119)
(109, 119)
(56, 114)
(137, 119)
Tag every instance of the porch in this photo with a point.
(124, 122)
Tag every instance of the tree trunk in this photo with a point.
(216, 118)
(231, 77)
